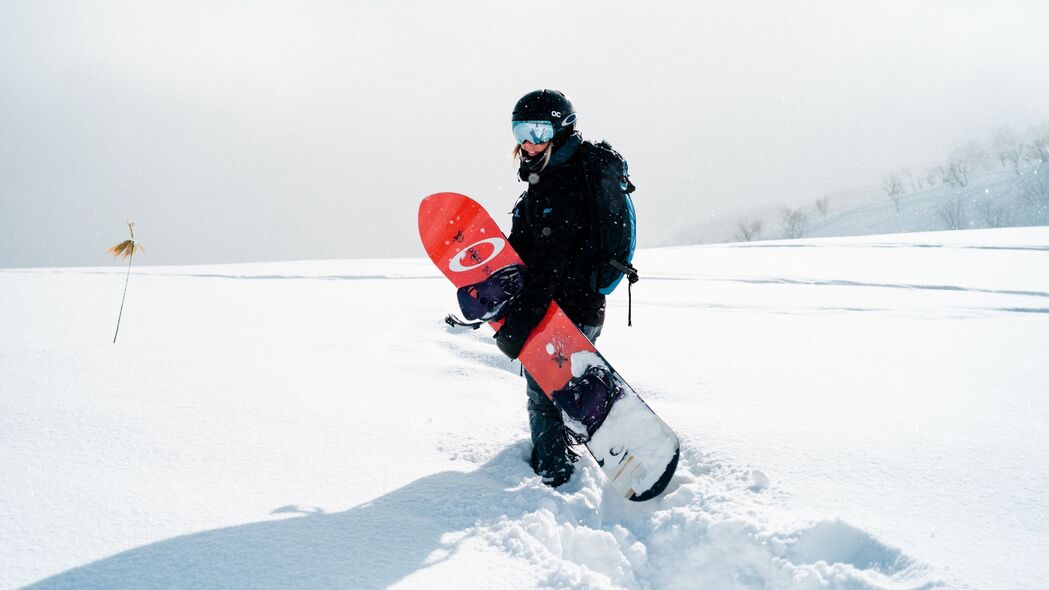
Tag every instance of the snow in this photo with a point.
(865, 412)
(582, 361)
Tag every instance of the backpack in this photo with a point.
(613, 221)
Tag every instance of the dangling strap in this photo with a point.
(632, 277)
(455, 322)
(629, 304)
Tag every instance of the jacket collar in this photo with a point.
(562, 154)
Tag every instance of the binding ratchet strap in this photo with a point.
(455, 322)
(631, 276)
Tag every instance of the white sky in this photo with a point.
(239, 131)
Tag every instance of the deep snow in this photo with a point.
(854, 412)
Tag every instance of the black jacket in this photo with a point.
(552, 232)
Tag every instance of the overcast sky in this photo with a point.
(245, 131)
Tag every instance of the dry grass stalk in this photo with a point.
(125, 249)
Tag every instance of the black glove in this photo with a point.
(519, 324)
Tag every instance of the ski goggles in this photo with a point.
(533, 131)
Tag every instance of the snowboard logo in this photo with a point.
(474, 255)
(556, 349)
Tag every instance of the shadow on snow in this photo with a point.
(369, 546)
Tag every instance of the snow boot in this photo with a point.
(552, 458)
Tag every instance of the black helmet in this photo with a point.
(547, 105)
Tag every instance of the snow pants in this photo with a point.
(552, 459)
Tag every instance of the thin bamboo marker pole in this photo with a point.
(122, 298)
(126, 248)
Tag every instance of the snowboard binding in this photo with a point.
(586, 400)
(490, 299)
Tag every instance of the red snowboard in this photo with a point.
(636, 450)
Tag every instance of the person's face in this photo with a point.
(534, 149)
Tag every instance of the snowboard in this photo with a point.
(636, 450)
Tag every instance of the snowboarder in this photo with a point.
(559, 232)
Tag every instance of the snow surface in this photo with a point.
(853, 412)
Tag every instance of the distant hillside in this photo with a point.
(997, 198)
(1001, 198)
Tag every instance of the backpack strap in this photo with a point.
(586, 162)
(591, 159)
